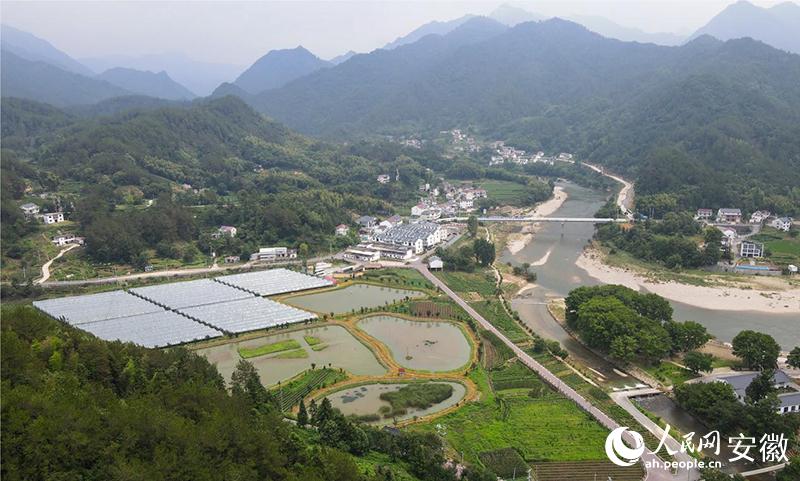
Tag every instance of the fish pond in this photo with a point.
(385, 403)
(351, 298)
(420, 345)
(279, 357)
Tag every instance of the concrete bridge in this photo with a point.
(593, 220)
(500, 218)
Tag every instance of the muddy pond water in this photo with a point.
(420, 345)
(365, 400)
(336, 346)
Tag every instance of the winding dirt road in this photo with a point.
(46, 265)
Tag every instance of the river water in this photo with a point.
(559, 274)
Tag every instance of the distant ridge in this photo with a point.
(277, 68)
(778, 26)
(158, 85)
(30, 47)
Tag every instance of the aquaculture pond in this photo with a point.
(288, 354)
(351, 298)
(420, 345)
(365, 402)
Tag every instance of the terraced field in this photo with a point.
(586, 471)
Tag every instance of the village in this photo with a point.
(739, 238)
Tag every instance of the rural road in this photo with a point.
(656, 472)
(165, 273)
(46, 265)
(625, 196)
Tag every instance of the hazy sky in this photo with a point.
(239, 32)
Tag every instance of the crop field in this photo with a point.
(290, 394)
(482, 283)
(273, 347)
(546, 428)
(783, 246)
(444, 310)
(398, 278)
(494, 312)
(505, 192)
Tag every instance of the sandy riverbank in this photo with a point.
(517, 241)
(778, 299)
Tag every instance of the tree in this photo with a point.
(246, 383)
(484, 252)
(624, 348)
(794, 361)
(698, 361)
(687, 335)
(472, 225)
(757, 350)
(302, 415)
(761, 386)
(302, 251)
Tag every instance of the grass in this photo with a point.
(494, 312)
(784, 248)
(505, 192)
(416, 395)
(293, 354)
(371, 463)
(669, 374)
(398, 277)
(480, 282)
(545, 428)
(270, 348)
(312, 340)
(319, 347)
(292, 392)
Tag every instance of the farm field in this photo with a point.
(480, 282)
(290, 394)
(494, 312)
(784, 247)
(270, 348)
(543, 428)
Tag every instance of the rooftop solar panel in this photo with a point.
(77, 310)
(273, 281)
(247, 314)
(157, 329)
(176, 295)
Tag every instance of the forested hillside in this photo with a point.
(155, 181)
(76, 407)
(729, 111)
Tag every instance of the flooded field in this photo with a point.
(331, 344)
(351, 298)
(420, 345)
(366, 401)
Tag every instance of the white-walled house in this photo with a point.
(782, 223)
(342, 230)
(52, 217)
(30, 209)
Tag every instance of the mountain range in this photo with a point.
(778, 25)
(277, 68)
(158, 85)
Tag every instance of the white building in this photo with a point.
(273, 254)
(29, 209)
(759, 216)
(52, 217)
(728, 237)
(64, 239)
(418, 209)
(704, 214)
(435, 263)
(226, 231)
(782, 223)
(466, 204)
(729, 215)
(383, 179)
(342, 230)
(751, 249)
(419, 236)
(362, 254)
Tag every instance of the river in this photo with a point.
(559, 274)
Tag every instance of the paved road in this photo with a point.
(655, 473)
(46, 266)
(623, 398)
(174, 272)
